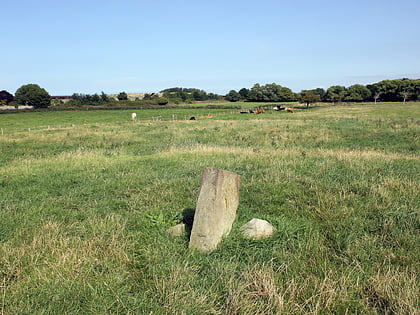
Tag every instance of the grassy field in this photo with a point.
(86, 197)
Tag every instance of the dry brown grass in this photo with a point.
(58, 254)
(258, 290)
(394, 292)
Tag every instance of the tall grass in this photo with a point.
(84, 208)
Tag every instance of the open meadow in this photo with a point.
(86, 198)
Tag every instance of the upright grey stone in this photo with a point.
(216, 208)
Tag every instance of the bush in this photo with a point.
(162, 100)
(122, 96)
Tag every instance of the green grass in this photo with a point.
(84, 206)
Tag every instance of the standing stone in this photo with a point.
(216, 208)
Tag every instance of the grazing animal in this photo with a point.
(209, 116)
(133, 116)
(278, 108)
(192, 118)
(260, 111)
(290, 109)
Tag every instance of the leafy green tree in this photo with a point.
(213, 96)
(285, 94)
(357, 93)
(321, 92)
(178, 95)
(309, 97)
(335, 93)
(199, 95)
(232, 96)
(122, 96)
(255, 93)
(172, 90)
(374, 92)
(409, 89)
(388, 89)
(405, 95)
(33, 95)
(243, 93)
(397, 90)
(104, 97)
(87, 99)
(270, 93)
(96, 98)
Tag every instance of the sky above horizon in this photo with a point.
(92, 46)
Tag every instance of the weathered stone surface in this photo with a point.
(216, 208)
(256, 229)
(177, 230)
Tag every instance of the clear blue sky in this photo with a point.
(89, 46)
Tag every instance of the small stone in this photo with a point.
(177, 230)
(257, 229)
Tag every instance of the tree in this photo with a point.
(96, 99)
(270, 93)
(377, 96)
(374, 92)
(33, 95)
(409, 89)
(405, 95)
(243, 93)
(199, 95)
(233, 96)
(104, 97)
(357, 93)
(335, 93)
(321, 92)
(6, 97)
(388, 89)
(309, 97)
(255, 93)
(122, 96)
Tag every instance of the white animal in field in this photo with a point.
(133, 116)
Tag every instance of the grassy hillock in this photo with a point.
(86, 197)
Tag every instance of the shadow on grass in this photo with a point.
(188, 220)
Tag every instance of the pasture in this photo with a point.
(86, 197)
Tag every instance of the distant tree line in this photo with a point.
(172, 95)
(78, 99)
(122, 97)
(386, 91)
(178, 95)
